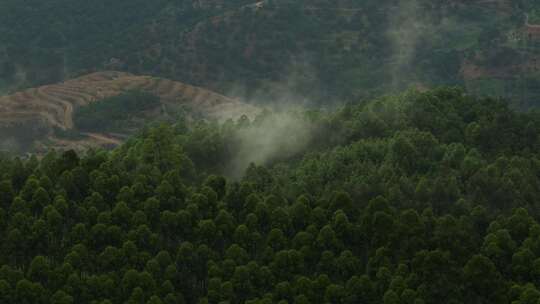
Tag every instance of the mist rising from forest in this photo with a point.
(285, 92)
(283, 131)
(407, 25)
(277, 136)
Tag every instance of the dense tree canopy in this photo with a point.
(417, 198)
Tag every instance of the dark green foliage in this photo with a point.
(19, 137)
(111, 112)
(417, 198)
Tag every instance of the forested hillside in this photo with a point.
(388, 170)
(44, 42)
(321, 51)
(417, 198)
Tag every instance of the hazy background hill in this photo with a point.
(323, 51)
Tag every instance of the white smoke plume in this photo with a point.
(277, 136)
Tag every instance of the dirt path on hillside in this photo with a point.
(104, 138)
(333, 9)
(68, 107)
(68, 115)
(530, 25)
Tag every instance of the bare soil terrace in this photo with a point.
(54, 105)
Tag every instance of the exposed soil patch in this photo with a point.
(54, 104)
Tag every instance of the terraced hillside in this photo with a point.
(51, 107)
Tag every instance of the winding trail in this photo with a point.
(104, 138)
(535, 26)
(68, 107)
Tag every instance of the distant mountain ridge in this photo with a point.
(324, 51)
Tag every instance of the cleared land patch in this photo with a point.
(54, 106)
